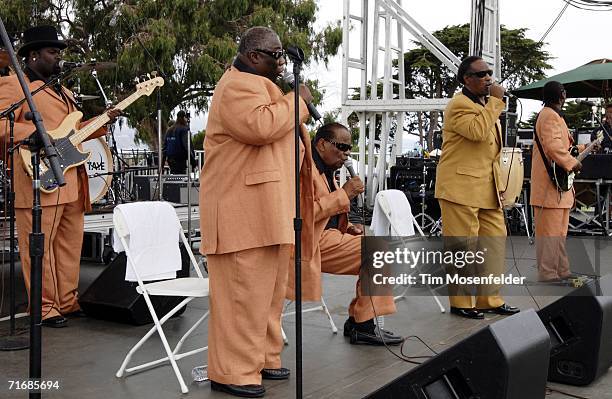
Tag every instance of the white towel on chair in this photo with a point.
(392, 214)
(153, 240)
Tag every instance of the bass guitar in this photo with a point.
(67, 138)
(565, 180)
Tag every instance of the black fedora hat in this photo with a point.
(39, 37)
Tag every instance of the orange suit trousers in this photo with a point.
(63, 227)
(341, 254)
(550, 233)
(247, 292)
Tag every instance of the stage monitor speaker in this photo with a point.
(112, 298)
(580, 328)
(505, 360)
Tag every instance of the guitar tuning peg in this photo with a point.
(148, 76)
(154, 74)
(136, 80)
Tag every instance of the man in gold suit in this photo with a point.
(468, 181)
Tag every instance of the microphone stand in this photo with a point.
(36, 142)
(12, 342)
(599, 206)
(297, 58)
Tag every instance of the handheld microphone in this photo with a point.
(288, 78)
(585, 102)
(348, 164)
(67, 66)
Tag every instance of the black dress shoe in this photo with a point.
(377, 336)
(275, 374)
(55, 322)
(369, 333)
(76, 314)
(349, 325)
(504, 309)
(467, 313)
(244, 391)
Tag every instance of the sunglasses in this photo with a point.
(274, 54)
(482, 74)
(340, 146)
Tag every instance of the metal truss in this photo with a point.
(384, 23)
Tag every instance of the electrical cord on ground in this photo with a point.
(401, 355)
(550, 390)
(55, 293)
(509, 232)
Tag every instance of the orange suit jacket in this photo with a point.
(53, 110)
(247, 197)
(469, 169)
(326, 205)
(556, 140)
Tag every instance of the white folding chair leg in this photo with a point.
(322, 307)
(157, 327)
(331, 321)
(192, 329)
(285, 339)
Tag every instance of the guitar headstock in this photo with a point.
(146, 87)
(600, 137)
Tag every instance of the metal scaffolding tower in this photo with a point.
(384, 22)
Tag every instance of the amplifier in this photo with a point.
(175, 188)
(594, 166)
(176, 191)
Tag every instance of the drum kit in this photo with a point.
(419, 180)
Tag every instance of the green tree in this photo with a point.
(190, 41)
(427, 77)
(576, 115)
(198, 139)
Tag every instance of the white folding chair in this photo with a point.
(323, 307)
(389, 203)
(188, 287)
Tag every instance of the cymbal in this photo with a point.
(98, 66)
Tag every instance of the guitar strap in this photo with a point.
(544, 158)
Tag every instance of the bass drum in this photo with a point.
(512, 173)
(99, 167)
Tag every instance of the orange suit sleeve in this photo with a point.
(551, 132)
(10, 92)
(250, 116)
(334, 203)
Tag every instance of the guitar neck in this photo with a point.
(587, 150)
(100, 121)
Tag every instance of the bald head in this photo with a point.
(257, 37)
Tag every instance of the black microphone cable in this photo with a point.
(401, 355)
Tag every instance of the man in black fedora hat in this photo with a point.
(63, 209)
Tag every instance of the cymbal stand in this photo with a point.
(107, 102)
(423, 194)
